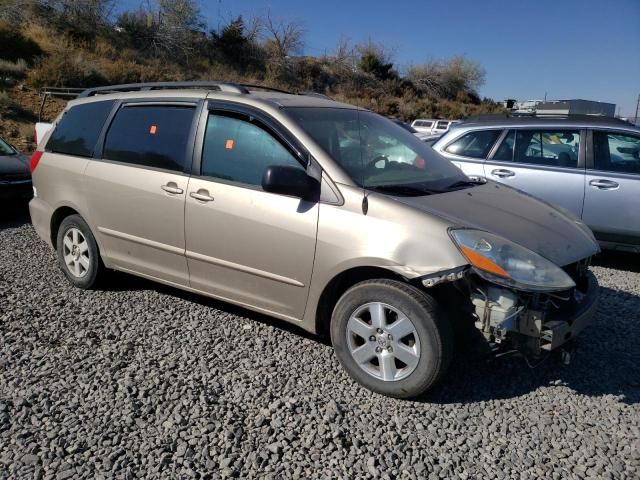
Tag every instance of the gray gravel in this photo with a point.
(139, 380)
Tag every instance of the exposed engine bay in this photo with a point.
(529, 322)
(534, 323)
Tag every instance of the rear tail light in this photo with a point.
(35, 159)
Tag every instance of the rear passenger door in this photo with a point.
(546, 163)
(136, 190)
(612, 195)
(244, 244)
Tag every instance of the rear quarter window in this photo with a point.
(79, 128)
(150, 136)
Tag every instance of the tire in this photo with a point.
(79, 259)
(404, 366)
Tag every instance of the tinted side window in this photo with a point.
(240, 151)
(557, 148)
(616, 152)
(79, 128)
(150, 136)
(442, 125)
(474, 144)
(505, 150)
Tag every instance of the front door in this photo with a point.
(548, 164)
(136, 192)
(243, 244)
(612, 195)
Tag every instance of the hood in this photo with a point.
(14, 166)
(556, 235)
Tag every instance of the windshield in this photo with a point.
(5, 149)
(375, 152)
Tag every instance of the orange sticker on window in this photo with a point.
(229, 144)
(153, 129)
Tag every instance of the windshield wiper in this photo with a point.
(405, 190)
(472, 182)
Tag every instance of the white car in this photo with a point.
(423, 125)
(433, 127)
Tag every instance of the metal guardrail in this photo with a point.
(59, 92)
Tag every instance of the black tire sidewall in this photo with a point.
(434, 333)
(89, 280)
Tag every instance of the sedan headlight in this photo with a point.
(504, 262)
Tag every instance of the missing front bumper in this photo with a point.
(534, 324)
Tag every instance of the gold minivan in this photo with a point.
(319, 213)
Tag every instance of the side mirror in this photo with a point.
(291, 181)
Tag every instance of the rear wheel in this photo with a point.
(78, 252)
(391, 337)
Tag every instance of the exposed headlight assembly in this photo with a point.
(506, 263)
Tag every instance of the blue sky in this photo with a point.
(566, 48)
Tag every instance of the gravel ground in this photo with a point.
(139, 380)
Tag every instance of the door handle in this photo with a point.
(172, 187)
(503, 173)
(202, 195)
(603, 184)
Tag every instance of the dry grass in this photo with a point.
(13, 70)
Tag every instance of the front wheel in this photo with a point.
(391, 337)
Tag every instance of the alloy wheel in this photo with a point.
(75, 251)
(383, 341)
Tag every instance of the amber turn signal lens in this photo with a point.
(483, 263)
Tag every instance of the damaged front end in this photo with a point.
(534, 322)
(520, 300)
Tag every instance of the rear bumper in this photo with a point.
(41, 214)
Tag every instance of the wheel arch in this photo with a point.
(451, 298)
(339, 284)
(57, 217)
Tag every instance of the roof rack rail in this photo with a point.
(542, 116)
(206, 84)
(145, 86)
(315, 94)
(263, 87)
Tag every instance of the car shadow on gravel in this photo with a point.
(119, 281)
(629, 262)
(14, 215)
